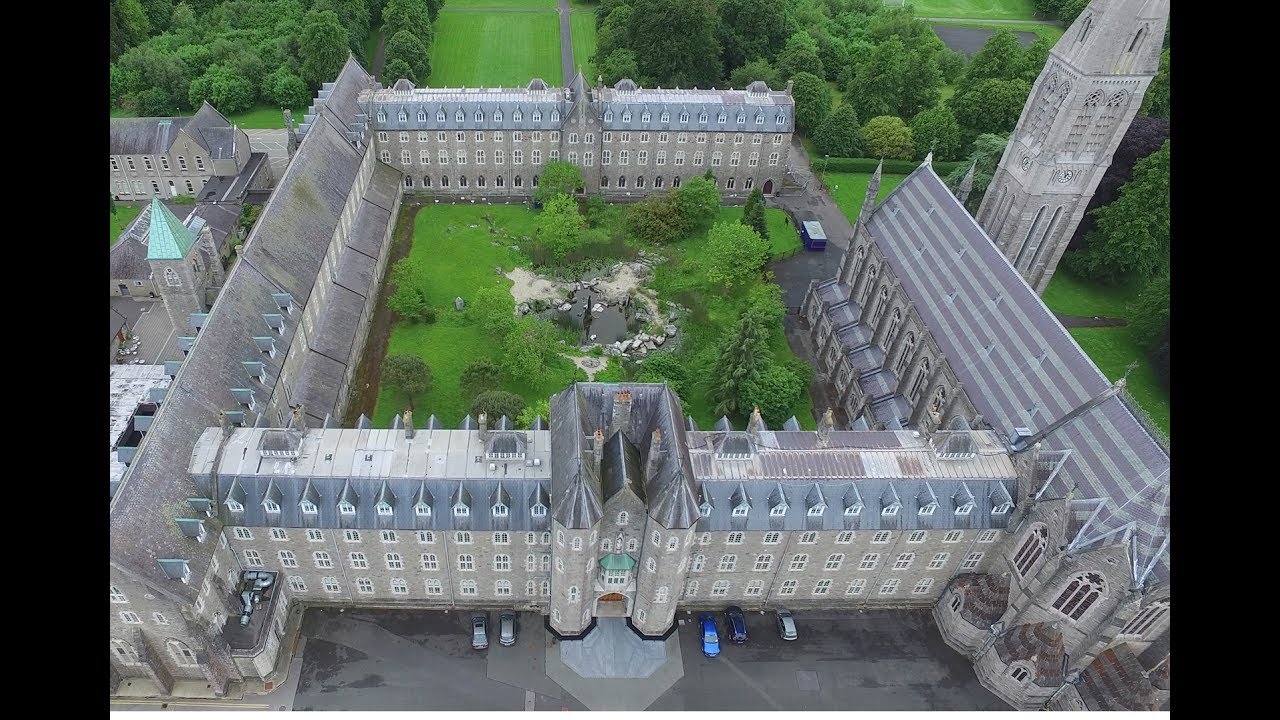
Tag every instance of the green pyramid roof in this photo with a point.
(168, 238)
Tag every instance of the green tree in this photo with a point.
(758, 69)
(411, 15)
(744, 352)
(775, 390)
(1156, 101)
(813, 100)
(734, 254)
(1131, 238)
(407, 373)
(284, 89)
(698, 201)
(799, 55)
(560, 225)
(223, 88)
(985, 155)
(396, 69)
(620, 64)
(558, 178)
(1001, 58)
(689, 57)
(664, 367)
(1149, 314)
(753, 214)
(479, 376)
(323, 47)
(751, 29)
(492, 310)
(525, 348)
(656, 219)
(410, 49)
(887, 136)
(496, 403)
(839, 134)
(936, 130)
(990, 106)
(540, 409)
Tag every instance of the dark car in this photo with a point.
(736, 624)
(479, 632)
(507, 629)
(787, 625)
(710, 635)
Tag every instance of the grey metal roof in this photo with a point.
(624, 108)
(952, 271)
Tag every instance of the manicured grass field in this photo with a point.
(1050, 32)
(459, 263)
(583, 30)
(120, 220)
(848, 189)
(521, 4)
(992, 9)
(500, 49)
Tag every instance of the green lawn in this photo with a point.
(526, 4)
(583, 30)
(991, 9)
(848, 189)
(500, 49)
(1050, 32)
(460, 262)
(124, 215)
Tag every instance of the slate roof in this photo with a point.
(167, 237)
(971, 297)
(1116, 681)
(1037, 644)
(986, 597)
(144, 136)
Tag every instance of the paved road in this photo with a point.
(844, 660)
(275, 144)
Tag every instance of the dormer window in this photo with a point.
(817, 510)
(555, 116)
(626, 116)
(853, 510)
(742, 510)
(346, 508)
(777, 511)
(460, 116)
(234, 506)
(308, 507)
(461, 510)
(422, 116)
(608, 116)
(270, 506)
(382, 116)
(499, 510)
(517, 116)
(440, 116)
(404, 117)
(497, 116)
(645, 116)
(383, 509)
(539, 510)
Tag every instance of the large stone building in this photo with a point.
(1076, 115)
(628, 141)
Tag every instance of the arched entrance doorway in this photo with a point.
(768, 188)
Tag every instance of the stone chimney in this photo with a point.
(622, 412)
(756, 424)
(825, 426)
(299, 419)
(655, 455)
(408, 424)
(597, 447)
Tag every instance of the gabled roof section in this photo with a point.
(168, 238)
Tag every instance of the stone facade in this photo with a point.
(1076, 115)
(627, 141)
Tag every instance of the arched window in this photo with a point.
(908, 346)
(894, 323)
(171, 278)
(880, 305)
(1144, 620)
(181, 654)
(871, 281)
(921, 377)
(1137, 39)
(1032, 549)
(1080, 594)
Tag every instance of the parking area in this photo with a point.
(843, 660)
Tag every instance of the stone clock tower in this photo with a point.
(1079, 109)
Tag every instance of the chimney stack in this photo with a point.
(756, 424)
(597, 447)
(622, 412)
(825, 426)
(408, 424)
(655, 455)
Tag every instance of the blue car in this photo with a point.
(710, 636)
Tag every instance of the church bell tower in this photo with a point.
(1077, 113)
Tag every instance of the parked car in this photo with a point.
(507, 629)
(786, 625)
(710, 635)
(736, 624)
(479, 632)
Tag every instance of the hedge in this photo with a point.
(893, 167)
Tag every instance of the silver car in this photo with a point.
(787, 625)
(507, 629)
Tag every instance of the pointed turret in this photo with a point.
(966, 184)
